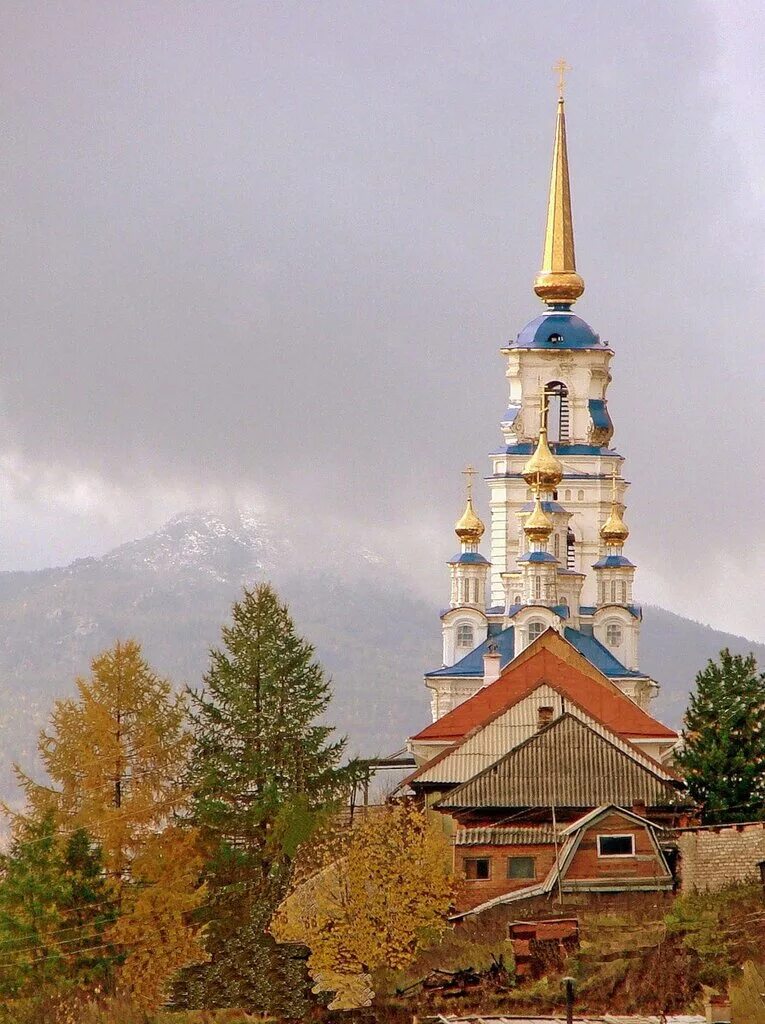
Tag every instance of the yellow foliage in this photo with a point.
(377, 904)
(115, 756)
(154, 929)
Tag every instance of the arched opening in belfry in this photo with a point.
(570, 549)
(558, 418)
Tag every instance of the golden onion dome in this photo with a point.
(538, 526)
(469, 527)
(543, 468)
(614, 530)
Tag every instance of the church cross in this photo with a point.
(469, 472)
(561, 68)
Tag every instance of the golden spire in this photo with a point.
(538, 526)
(558, 283)
(543, 468)
(614, 530)
(469, 527)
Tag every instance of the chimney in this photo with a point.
(717, 1009)
(545, 716)
(491, 664)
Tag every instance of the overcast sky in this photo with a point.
(272, 249)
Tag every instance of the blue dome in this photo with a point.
(557, 329)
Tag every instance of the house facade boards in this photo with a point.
(542, 756)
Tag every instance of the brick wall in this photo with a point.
(472, 892)
(712, 857)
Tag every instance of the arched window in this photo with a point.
(465, 635)
(537, 587)
(475, 591)
(516, 599)
(558, 425)
(613, 634)
(567, 496)
(563, 601)
(623, 589)
(536, 628)
(613, 591)
(580, 495)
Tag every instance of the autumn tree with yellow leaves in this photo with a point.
(383, 893)
(116, 758)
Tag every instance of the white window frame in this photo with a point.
(535, 622)
(614, 626)
(617, 835)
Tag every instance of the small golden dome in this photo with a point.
(614, 530)
(543, 468)
(469, 527)
(538, 526)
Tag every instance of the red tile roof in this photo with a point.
(574, 676)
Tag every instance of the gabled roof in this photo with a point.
(565, 764)
(550, 658)
(487, 743)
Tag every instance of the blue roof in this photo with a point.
(598, 655)
(592, 649)
(497, 609)
(613, 562)
(557, 329)
(472, 664)
(526, 448)
(468, 558)
(599, 414)
(634, 609)
(538, 556)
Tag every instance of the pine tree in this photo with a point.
(117, 758)
(265, 771)
(723, 751)
(55, 910)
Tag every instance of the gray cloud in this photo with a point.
(276, 247)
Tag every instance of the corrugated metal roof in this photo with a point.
(606, 1019)
(499, 836)
(485, 746)
(566, 764)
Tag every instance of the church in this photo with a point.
(542, 754)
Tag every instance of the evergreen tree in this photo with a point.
(723, 751)
(55, 909)
(265, 771)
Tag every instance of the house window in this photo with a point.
(521, 867)
(536, 628)
(464, 635)
(613, 634)
(567, 496)
(537, 588)
(570, 550)
(517, 599)
(613, 591)
(616, 846)
(580, 495)
(477, 868)
(623, 588)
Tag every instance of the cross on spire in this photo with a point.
(561, 68)
(469, 472)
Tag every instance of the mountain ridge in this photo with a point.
(173, 589)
